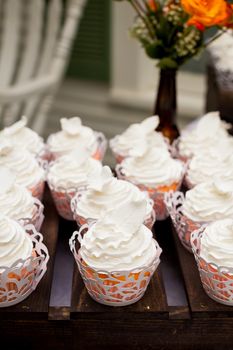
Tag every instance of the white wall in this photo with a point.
(135, 77)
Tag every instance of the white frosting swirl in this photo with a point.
(105, 193)
(15, 243)
(154, 168)
(137, 137)
(209, 132)
(72, 136)
(16, 201)
(73, 170)
(214, 163)
(119, 242)
(22, 164)
(217, 243)
(23, 137)
(209, 201)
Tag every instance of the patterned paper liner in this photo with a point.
(183, 225)
(43, 156)
(156, 194)
(80, 220)
(21, 279)
(98, 154)
(62, 199)
(175, 151)
(37, 216)
(116, 288)
(38, 190)
(217, 280)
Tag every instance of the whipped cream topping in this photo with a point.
(20, 135)
(119, 241)
(213, 163)
(21, 163)
(73, 170)
(209, 201)
(154, 168)
(136, 138)
(16, 201)
(217, 243)
(105, 193)
(15, 243)
(72, 136)
(209, 132)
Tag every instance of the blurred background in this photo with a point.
(109, 82)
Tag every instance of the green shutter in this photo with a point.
(90, 58)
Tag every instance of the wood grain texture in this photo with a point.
(200, 304)
(36, 305)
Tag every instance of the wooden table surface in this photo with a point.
(175, 312)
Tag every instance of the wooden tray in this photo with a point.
(175, 312)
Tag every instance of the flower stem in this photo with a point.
(141, 14)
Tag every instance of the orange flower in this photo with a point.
(152, 5)
(208, 12)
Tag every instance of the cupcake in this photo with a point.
(104, 193)
(23, 261)
(209, 132)
(205, 203)
(17, 202)
(136, 138)
(23, 137)
(74, 135)
(118, 255)
(28, 172)
(213, 250)
(68, 174)
(154, 172)
(217, 162)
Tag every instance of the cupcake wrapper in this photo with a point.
(118, 157)
(22, 278)
(38, 190)
(175, 151)
(98, 153)
(37, 217)
(149, 220)
(62, 200)
(101, 146)
(217, 280)
(116, 288)
(44, 157)
(183, 225)
(156, 194)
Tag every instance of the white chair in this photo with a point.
(35, 40)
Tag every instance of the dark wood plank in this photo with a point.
(36, 305)
(60, 298)
(171, 273)
(152, 305)
(200, 304)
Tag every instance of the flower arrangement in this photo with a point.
(172, 31)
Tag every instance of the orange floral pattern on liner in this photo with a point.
(217, 281)
(38, 190)
(62, 201)
(183, 225)
(20, 280)
(116, 288)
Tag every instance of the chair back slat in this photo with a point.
(32, 38)
(53, 27)
(10, 40)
